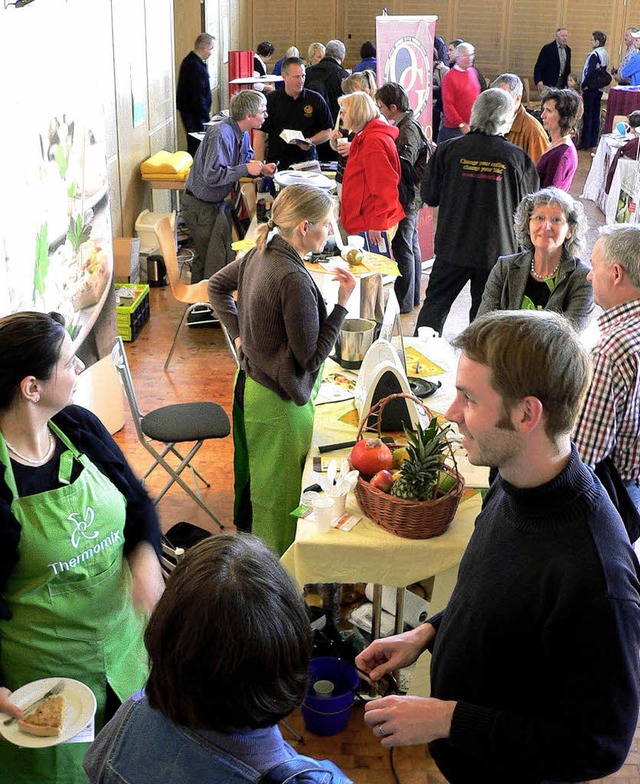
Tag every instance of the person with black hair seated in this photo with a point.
(229, 644)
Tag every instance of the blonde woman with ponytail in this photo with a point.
(283, 334)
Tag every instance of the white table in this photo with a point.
(625, 185)
(368, 553)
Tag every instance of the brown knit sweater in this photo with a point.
(280, 317)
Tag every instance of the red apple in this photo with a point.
(382, 480)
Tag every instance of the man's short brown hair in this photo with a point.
(532, 353)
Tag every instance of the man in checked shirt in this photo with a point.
(609, 424)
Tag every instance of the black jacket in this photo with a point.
(326, 78)
(547, 66)
(477, 181)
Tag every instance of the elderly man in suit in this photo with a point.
(554, 62)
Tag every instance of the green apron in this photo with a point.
(72, 612)
(271, 439)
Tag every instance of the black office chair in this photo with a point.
(171, 425)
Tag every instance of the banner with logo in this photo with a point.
(404, 47)
(405, 55)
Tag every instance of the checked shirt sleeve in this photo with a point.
(595, 433)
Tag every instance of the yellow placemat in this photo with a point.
(420, 366)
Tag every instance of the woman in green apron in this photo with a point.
(282, 334)
(78, 543)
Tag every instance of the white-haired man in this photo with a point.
(525, 131)
(224, 156)
(460, 88)
(477, 181)
(553, 65)
(609, 425)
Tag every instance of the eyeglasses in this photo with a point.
(540, 219)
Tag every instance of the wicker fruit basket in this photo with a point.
(408, 519)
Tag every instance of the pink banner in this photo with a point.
(405, 55)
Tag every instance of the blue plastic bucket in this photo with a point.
(329, 715)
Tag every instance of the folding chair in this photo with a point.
(170, 557)
(171, 425)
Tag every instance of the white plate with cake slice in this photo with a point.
(79, 709)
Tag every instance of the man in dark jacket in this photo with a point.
(477, 180)
(326, 78)
(193, 98)
(554, 62)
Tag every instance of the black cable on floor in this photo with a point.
(393, 767)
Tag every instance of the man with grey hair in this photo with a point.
(609, 425)
(477, 181)
(224, 156)
(553, 65)
(459, 89)
(525, 131)
(326, 78)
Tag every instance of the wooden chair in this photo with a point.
(192, 295)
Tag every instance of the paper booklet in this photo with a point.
(293, 137)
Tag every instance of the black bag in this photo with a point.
(411, 174)
(608, 474)
(600, 79)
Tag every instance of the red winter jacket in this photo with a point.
(370, 182)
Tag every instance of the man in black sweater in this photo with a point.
(193, 96)
(535, 673)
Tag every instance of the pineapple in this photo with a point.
(419, 474)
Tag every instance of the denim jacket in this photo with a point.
(145, 746)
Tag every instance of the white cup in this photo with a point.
(355, 241)
(426, 333)
(323, 688)
(323, 512)
(339, 505)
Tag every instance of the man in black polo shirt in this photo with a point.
(293, 108)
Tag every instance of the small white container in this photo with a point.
(145, 228)
(355, 241)
(323, 689)
(323, 512)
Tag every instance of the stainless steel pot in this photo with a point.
(354, 340)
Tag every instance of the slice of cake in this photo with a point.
(46, 720)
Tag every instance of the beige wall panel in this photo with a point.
(360, 26)
(115, 201)
(159, 32)
(440, 8)
(133, 143)
(581, 19)
(484, 25)
(532, 26)
(275, 21)
(317, 22)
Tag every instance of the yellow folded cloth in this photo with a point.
(173, 164)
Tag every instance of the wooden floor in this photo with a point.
(202, 369)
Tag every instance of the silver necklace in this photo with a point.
(40, 460)
(538, 276)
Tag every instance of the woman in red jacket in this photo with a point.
(370, 204)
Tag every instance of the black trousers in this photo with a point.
(445, 283)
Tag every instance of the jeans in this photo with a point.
(406, 252)
(446, 282)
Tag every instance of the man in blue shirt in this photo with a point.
(224, 156)
(631, 70)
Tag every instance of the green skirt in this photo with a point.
(271, 440)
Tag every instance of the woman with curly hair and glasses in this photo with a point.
(547, 274)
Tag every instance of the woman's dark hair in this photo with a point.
(30, 344)
(265, 49)
(394, 93)
(368, 49)
(440, 50)
(569, 107)
(229, 640)
(600, 37)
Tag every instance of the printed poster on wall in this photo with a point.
(55, 226)
(628, 196)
